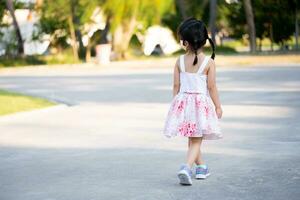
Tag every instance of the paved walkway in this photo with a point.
(105, 142)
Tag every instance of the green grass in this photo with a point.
(15, 62)
(65, 57)
(11, 102)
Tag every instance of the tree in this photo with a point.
(183, 9)
(56, 21)
(212, 18)
(65, 19)
(181, 4)
(2, 9)
(250, 24)
(99, 37)
(11, 9)
(272, 20)
(127, 15)
(296, 26)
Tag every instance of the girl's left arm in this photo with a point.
(212, 87)
(176, 79)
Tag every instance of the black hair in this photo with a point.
(195, 33)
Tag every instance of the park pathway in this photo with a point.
(104, 141)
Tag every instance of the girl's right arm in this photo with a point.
(212, 87)
(176, 79)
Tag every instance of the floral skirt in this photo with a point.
(192, 115)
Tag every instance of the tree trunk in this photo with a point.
(11, 9)
(38, 4)
(122, 37)
(79, 39)
(212, 18)
(182, 9)
(204, 3)
(271, 36)
(88, 51)
(250, 24)
(103, 38)
(73, 37)
(296, 29)
(260, 44)
(77, 30)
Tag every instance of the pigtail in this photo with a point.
(196, 45)
(213, 48)
(195, 59)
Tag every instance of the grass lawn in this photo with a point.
(11, 102)
(65, 57)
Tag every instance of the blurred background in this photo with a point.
(35, 32)
(98, 85)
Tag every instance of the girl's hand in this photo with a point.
(219, 112)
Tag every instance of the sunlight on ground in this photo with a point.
(121, 126)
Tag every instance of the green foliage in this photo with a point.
(273, 16)
(128, 17)
(54, 18)
(235, 15)
(281, 20)
(172, 19)
(273, 19)
(18, 61)
(2, 9)
(270, 16)
(193, 8)
(53, 21)
(9, 42)
(146, 12)
(198, 9)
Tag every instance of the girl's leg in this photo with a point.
(199, 160)
(193, 152)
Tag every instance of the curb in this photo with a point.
(45, 110)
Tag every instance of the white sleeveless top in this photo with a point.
(193, 82)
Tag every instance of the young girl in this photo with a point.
(196, 107)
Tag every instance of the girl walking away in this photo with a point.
(196, 107)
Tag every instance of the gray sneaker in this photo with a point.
(185, 175)
(201, 172)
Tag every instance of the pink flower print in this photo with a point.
(180, 107)
(198, 103)
(187, 129)
(206, 111)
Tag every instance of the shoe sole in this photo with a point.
(201, 176)
(184, 178)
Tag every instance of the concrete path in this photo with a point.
(105, 142)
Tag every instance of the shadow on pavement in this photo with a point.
(136, 173)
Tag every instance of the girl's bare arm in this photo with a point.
(176, 79)
(212, 87)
